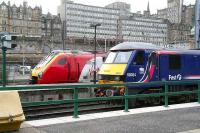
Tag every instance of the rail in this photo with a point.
(126, 97)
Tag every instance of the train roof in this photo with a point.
(149, 46)
(178, 51)
(70, 51)
(135, 45)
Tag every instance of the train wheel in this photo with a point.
(157, 101)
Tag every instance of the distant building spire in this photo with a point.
(148, 10)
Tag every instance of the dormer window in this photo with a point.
(3, 7)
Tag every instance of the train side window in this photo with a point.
(62, 61)
(139, 58)
(174, 62)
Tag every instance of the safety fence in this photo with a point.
(165, 94)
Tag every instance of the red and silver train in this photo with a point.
(61, 67)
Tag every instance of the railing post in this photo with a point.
(4, 49)
(198, 92)
(126, 99)
(166, 95)
(75, 98)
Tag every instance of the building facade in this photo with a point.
(188, 14)
(162, 13)
(79, 17)
(71, 28)
(36, 32)
(117, 23)
(180, 34)
(51, 32)
(22, 20)
(181, 21)
(174, 10)
(140, 28)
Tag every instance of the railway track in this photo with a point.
(50, 111)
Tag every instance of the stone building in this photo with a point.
(179, 35)
(36, 32)
(51, 32)
(162, 13)
(188, 14)
(174, 10)
(180, 22)
(182, 13)
(22, 20)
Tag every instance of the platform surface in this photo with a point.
(182, 118)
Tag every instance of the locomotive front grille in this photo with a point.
(111, 77)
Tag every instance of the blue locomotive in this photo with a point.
(145, 62)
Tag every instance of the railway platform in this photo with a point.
(179, 118)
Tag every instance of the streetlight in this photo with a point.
(95, 39)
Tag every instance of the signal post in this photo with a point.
(6, 43)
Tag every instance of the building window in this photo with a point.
(4, 29)
(3, 7)
(4, 22)
(14, 29)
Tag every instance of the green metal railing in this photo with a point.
(126, 97)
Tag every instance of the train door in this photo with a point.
(137, 67)
(72, 69)
(61, 72)
(170, 67)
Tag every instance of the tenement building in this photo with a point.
(118, 24)
(23, 21)
(181, 21)
(51, 32)
(176, 12)
(36, 32)
(188, 14)
(179, 35)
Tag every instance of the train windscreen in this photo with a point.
(45, 60)
(118, 57)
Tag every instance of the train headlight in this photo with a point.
(40, 75)
(117, 78)
(99, 77)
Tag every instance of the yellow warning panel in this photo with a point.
(11, 113)
(113, 69)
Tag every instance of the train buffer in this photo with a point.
(177, 118)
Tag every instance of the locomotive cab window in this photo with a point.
(174, 62)
(122, 57)
(62, 61)
(139, 58)
(118, 57)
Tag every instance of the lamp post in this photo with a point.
(95, 41)
(197, 24)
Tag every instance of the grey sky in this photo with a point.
(136, 5)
